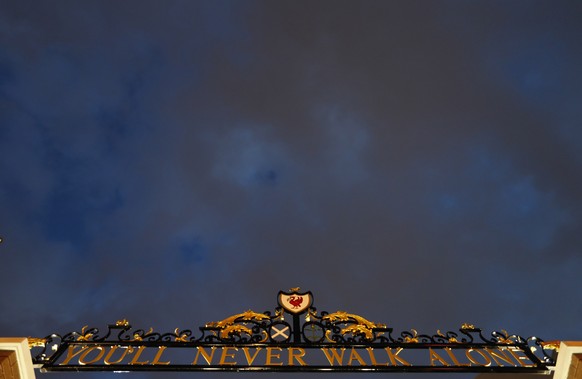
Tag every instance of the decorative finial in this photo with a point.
(294, 289)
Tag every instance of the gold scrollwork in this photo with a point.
(124, 323)
(361, 327)
(449, 339)
(467, 326)
(85, 336)
(180, 338)
(36, 342)
(551, 345)
(245, 316)
(505, 338)
(138, 337)
(228, 324)
(413, 339)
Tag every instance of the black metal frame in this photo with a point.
(255, 330)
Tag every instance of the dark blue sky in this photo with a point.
(415, 162)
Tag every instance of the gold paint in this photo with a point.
(503, 357)
(245, 316)
(435, 357)
(270, 356)
(228, 324)
(87, 351)
(72, 354)
(520, 358)
(235, 329)
(467, 326)
(137, 337)
(294, 289)
(373, 358)
(83, 336)
(551, 345)
(225, 355)
(473, 360)
(327, 334)
(413, 339)
(343, 316)
(135, 361)
(296, 356)
(358, 329)
(36, 342)
(449, 339)
(251, 359)
(280, 314)
(362, 327)
(454, 359)
(354, 355)
(207, 357)
(265, 336)
(126, 351)
(182, 338)
(123, 323)
(395, 358)
(158, 356)
(505, 338)
(331, 358)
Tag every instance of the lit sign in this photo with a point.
(294, 338)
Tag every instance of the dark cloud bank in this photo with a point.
(174, 163)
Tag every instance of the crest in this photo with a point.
(295, 302)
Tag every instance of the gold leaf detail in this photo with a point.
(362, 326)
(83, 336)
(123, 323)
(359, 329)
(35, 342)
(235, 329)
(505, 338)
(342, 316)
(467, 326)
(551, 345)
(182, 338)
(413, 339)
(245, 316)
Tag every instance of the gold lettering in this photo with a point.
(270, 356)
(135, 361)
(225, 355)
(334, 355)
(158, 356)
(394, 357)
(501, 355)
(296, 356)
(250, 359)
(71, 354)
(454, 359)
(207, 357)
(354, 355)
(373, 358)
(473, 360)
(126, 350)
(435, 357)
(86, 352)
(519, 358)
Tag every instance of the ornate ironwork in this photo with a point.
(295, 326)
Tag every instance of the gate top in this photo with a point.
(296, 324)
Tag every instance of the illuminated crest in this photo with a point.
(295, 302)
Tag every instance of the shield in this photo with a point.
(295, 302)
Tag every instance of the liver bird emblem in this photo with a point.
(295, 301)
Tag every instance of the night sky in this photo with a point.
(418, 163)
